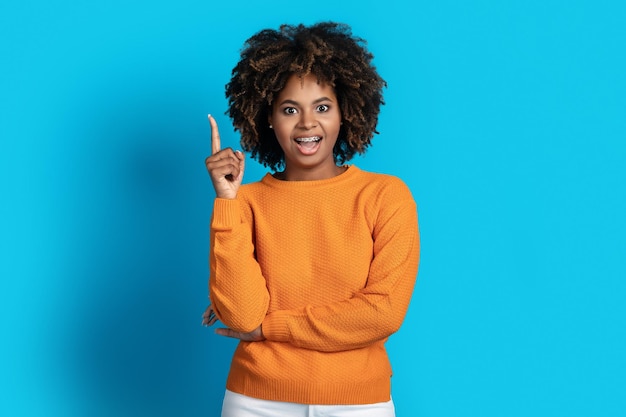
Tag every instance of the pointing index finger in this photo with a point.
(215, 136)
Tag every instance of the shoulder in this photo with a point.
(384, 185)
(260, 192)
(254, 187)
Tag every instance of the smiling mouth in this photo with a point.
(312, 139)
(308, 145)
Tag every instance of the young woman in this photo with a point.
(313, 266)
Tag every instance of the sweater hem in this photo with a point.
(326, 393)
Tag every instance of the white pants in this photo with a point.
(237, 405)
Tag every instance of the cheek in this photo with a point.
(281, 132)
(282, 136)
(335, 127)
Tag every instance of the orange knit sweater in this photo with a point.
(327, 268)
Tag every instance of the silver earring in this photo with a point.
(271, 127)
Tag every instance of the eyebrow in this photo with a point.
(319, 100)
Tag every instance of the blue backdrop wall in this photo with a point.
(505, 118)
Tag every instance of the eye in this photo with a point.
(290, 110)
(323, 108)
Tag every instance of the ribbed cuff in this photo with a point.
(275, 327)
(226, 213)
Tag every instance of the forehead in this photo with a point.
(305, 87)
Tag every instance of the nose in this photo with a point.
(307, 120)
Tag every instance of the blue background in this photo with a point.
(505, 118)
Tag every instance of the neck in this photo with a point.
(310, 175)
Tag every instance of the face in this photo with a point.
(306, 120)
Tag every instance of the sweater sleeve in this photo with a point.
(237, 288)
(377, 310)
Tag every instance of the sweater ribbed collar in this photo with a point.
(345, 176)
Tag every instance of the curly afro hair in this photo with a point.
(330, 52)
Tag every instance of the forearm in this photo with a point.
(351, 324)
(237, 288)
(372, 313)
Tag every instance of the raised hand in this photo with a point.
(225, 166)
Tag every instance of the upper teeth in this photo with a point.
(311, 139)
